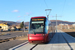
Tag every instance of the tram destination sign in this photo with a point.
(38, 19)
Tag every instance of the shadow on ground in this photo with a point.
(61, 37)
(71, 33)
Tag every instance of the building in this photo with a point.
(18, 27)
(64, 26)
(73, 24)
(4, 27)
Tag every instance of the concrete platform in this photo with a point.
(70, 39)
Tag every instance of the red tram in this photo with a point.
(38, 29)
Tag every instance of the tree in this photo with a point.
(0, 28)
(22, 24)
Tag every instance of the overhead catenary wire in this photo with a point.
(46, 4)
(47, 9)
(63, 7)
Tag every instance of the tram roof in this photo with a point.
(38, 17)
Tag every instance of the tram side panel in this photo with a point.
(51, 32)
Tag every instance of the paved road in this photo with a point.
(60, 41)
(9, 44)
(13, 34)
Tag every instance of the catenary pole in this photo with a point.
(56, 23)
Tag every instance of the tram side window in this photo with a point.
(46, 26)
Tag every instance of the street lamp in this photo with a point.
(24, 23)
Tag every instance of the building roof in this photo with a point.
(3, 24)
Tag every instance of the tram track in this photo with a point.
(19, 46)
(24, 44)
(33, 47)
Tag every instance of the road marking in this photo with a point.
(19, 45)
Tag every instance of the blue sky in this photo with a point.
(23, 10)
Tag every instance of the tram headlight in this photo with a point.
(30, 38)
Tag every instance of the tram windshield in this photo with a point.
(37, 27)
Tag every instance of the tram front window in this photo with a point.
(37, 26)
